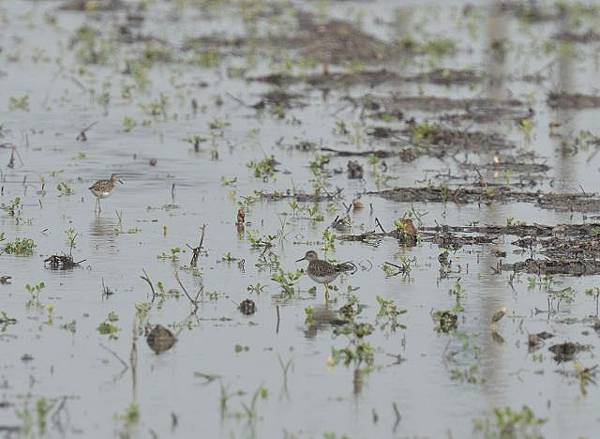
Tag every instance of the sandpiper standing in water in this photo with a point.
(324, 272)
(103, 188)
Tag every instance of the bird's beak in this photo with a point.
(120, 181)
(301, 259)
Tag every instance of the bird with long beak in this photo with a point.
(103, 188)
(324, 272)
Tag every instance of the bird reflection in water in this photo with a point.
(102, 231)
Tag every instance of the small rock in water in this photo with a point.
(4, 280)
(247, 307)
(566, 351)
(160, 339)
(355, 170)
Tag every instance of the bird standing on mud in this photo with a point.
(324, 272)
(103, 188)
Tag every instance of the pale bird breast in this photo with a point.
(323, 279)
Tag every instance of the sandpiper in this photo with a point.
(408, 227)
(324, 272)
(103, 188)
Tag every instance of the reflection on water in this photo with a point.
(322, 318)
(102, 231)
(565, 118)
(496, 51)
(494, 368)
(436, 377)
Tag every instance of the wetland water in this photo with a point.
(217, 112)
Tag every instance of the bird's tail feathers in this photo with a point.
(347, 267)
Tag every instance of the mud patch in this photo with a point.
(571, 267)
(574, 37)
(575, 202)
(398, 103)
(566, 351)
(572, 101)
(92, 5)
(448, 77)
(299, 196)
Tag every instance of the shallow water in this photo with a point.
(98, 378)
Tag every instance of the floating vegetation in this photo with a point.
(446, 321)
(509, 423)
(20, 247)
(108, 326)
(436, 165)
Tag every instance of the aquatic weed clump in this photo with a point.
(510, 424)
(20, 247)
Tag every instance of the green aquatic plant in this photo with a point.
(439, 47)
(423, 131)
(328, 240)
(13, 208)
(469, 375)
(389, 314)
(316, 165)
(225, 181)
(131, 415)
(157, 107)
(595, 294)
(64, 189)
(260, 242)
(309, 316)
(263, 169)
(508, 423)
(195, 140)
(29, 419)
(228, 257)
(138, 69)
(20, 247)
(34, 293)
(446, 321)
(35, 289)
(314, 214)
(526, 126)
(459, 293)
(108, 327)
(287, 281)
(91, 47)
(257, 288)
(357, 352)
(250, 411)
(19, 103)
(245, 202)
(172, 255)
(207, 59)
(129, 124)
(42, 409)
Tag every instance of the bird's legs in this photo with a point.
(97, 208)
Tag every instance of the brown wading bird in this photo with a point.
(409, 227)
(324, 272)
(103, 188)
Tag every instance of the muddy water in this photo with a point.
(89, 380)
